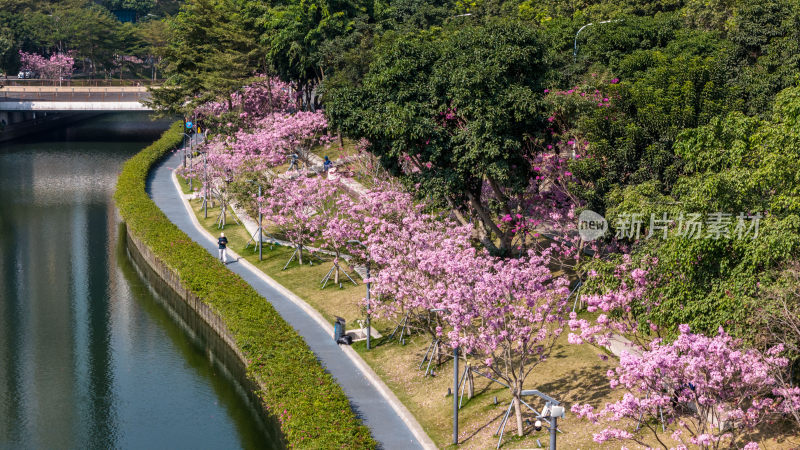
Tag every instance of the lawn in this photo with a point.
(333, 151)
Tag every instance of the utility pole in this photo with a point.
(369, 326)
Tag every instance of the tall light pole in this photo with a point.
(369, 326)
(455, 396)
(184, 150)
(205, 185)
(575, 48)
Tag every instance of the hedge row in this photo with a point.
(312, 409)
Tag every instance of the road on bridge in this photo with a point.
(73, 94)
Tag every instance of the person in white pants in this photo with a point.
(223, 248)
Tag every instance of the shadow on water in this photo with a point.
(199, 344)
(110, 127)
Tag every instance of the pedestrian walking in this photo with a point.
(223, 248)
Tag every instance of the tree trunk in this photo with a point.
(470, 384)
(489, 225)
(300, 254)
(518, 412)
(336, 274)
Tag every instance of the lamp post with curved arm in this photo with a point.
(575, 47)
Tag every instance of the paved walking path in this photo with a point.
(390, 422)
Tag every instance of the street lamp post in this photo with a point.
(455, 396)
(205, 184)
(575, 47)
(185, 135)
(260, 229)
(184, 150)
(369, 326)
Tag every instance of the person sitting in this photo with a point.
(327, 164)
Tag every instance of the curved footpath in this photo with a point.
(389, 421)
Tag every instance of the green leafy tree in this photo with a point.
(213, 51)
(734, 164)
(141, 7)
(661, 93)
(155, 35)
(457, 107)
(295, 33)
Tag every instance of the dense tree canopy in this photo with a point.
(675, 119)
(89, 30)
(455, 107)
(213, 50)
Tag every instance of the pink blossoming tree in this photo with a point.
(291, 205)
(710, 390)
(409, 251)
(57, 67)
(509, 318)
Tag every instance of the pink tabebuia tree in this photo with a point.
(271, 140)
(618, 300)
(355, 220)
(291, 205)
(410, 250)
(289, 133)
(224, 163)
(254, 101)
(509, 318)
(58, 66)
(338, 224)
(711, 390)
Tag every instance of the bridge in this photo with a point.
(25, 98)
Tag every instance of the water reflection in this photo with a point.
(89, 357)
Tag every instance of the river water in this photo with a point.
(90, 355)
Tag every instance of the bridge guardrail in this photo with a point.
(79, 82)
(73, 95)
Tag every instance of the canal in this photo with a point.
(91, 354)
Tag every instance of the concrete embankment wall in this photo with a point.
(204, 325)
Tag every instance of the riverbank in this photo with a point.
(292, 386)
